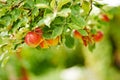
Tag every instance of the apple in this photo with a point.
(38, 30)
(77, 34)
(104, 17)
(98, 36)
(53, 42)
(44, 44)
(33, 39)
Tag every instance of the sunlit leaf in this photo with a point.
(53, 4)
(83, 32)
(61, 3)
(64, 13)
(86, 6)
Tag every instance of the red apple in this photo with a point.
(38, 31)
(98, 36)
(77, 34)
(104, 17)
(33, 39)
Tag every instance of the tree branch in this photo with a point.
(89, 10)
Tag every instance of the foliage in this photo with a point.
(54, 17)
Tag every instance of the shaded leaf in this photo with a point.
(57, 31)
(69, 41)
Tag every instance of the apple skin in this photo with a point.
(104, 17)
(77, 34)
(98, 36)
(53, 42)
(44, 44)
(33, 39)
(38, 31)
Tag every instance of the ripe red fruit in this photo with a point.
(77, 34)
(98, 36)
(38, 31)
(104, 17)
(33, 39)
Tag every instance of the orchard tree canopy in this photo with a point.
(47, 23)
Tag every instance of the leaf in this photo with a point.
(35, 11)
(5, 60)
(74, 26)
(61, 3)
(91, 47)
(6, 20)
(75, 10)
(57, 31)
(29, 4)
(15, 14)
(40, 23)
(49, 18)
(64, 12)
(76, 17)
(53, 4)
(69, 41)
(99, 5)
(78, 20)
(83, 32)
(93, 31)
(41, 5)
(86, 7)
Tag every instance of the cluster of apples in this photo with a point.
(35, 38)
(90, 38)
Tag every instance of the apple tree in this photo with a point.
(46, 23)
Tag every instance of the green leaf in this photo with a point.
(35, 11)
(57, 31)
(74, 26)
(49, 18)
(93, 31)
(40, 23)
(76, 17)
(78, 20)
(64, 12)
(53, 4)
(41, 5)
(69, 41)
(99, 5)
(29, 4)
(75, 10)
(83, 32)
(86, 7)
(6, 20)
(61, 3)
(91, 47)
(15, 14)
(5, 60)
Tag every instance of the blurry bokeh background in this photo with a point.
(62, 63)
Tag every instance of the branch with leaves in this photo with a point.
(45, 23)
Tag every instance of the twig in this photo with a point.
(89, 10)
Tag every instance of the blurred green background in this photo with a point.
(62, 63)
